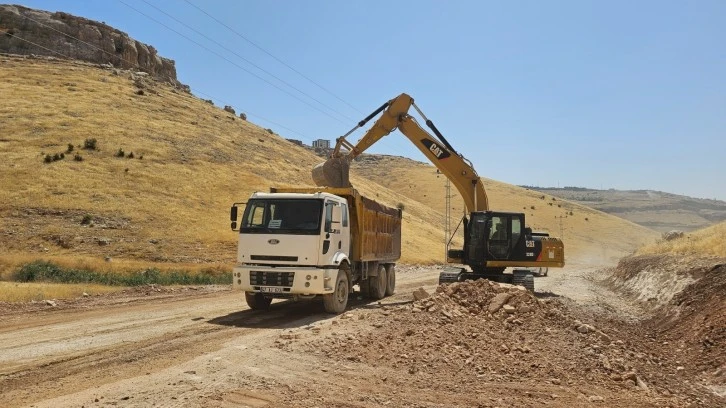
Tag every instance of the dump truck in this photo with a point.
(301, 243)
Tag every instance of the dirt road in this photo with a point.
(205, 348)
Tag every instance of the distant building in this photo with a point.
(322, 143)
(295, 141)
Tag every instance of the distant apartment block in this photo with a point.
(322, 143)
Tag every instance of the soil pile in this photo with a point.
(695, 323)
(487, 340)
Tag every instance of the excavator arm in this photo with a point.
(334, 172)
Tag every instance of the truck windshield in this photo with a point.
(282, 216)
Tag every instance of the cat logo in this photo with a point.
(434, 148)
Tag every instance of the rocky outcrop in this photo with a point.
(27, 31)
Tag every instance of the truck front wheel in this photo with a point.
(257, 301)
(337, 301)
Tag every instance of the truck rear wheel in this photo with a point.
(337, 301)
(378, 284)
(390, 279)
(257, 301)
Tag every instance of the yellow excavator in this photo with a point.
(493, 240)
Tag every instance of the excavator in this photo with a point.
(493, 240)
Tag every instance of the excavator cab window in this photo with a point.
(499, 243)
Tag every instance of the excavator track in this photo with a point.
(451, 274)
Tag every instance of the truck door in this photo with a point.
(337, 231)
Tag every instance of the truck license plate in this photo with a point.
(270, 289)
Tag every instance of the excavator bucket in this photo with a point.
(332, 173)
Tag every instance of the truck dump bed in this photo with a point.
(375, 228)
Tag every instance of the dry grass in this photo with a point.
(705, 242)
(172, 206)
(589, 235)
(25, 292)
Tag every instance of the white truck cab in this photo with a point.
(304, 244)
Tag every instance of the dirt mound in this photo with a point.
(471, 335)
(695, 322)
(656, 279)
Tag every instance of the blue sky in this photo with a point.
(601, 94)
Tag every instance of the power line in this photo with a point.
(271, 55)
(133, 65)
(231, 62)
(246, 60)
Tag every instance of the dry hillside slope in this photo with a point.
(589, 235)
(169, 203)
(653, 209)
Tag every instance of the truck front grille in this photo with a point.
(260, 278)
(273, 258)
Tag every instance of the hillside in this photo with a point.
(589, 235)
(682, 280)
(191, 161)
(653, 209)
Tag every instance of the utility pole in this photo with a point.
(562, 230)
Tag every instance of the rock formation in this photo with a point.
(27, 31)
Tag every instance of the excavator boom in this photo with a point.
(335, 171)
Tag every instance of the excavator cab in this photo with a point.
(493, 236)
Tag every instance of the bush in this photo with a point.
(90, 144)
(70, 148)
(43, 271)
(87, 219)
(401, 206)
(270, 131)
(243, 116)
(78, 157)
(131, 155)
(48, 158)
(120, 153)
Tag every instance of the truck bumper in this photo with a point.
(283, 281)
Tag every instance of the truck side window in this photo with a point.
(345, 214)
(256, 216)
(328, 216)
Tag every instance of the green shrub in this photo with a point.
(90, 144)
(120, 153)
(44, 271)
(70, 148)
(130, 155)
(87, 219)
(48, 158)
(78, 157)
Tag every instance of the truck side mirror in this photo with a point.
(233, 217)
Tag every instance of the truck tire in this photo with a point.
(337, 301)
(257, 301)
(377, 284)
(390, 279)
